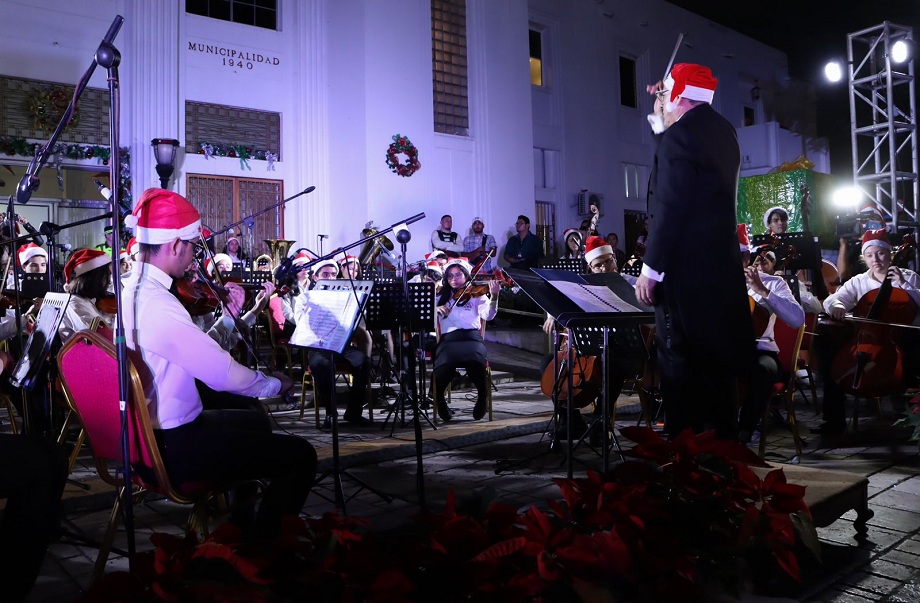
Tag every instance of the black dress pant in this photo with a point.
(32, 474)
(323, 369)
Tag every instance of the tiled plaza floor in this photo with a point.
(885, 567)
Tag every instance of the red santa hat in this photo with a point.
(877, 237)
(437, 253)
(123, 254)
(29, 251)
(693, 82)
(433, 265)
(571, 231)
(84, 260)
(348, 259)
(320, 265)
(596, 247)
(233, 238)
(131, 248)
(463, 263)
(743, 240)
(301, 258)
(161, 216)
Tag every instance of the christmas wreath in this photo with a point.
(402, 145)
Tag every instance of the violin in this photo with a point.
(197, 297)
(107, 303)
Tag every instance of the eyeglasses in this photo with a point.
(598, 265)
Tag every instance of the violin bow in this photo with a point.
(667, 70)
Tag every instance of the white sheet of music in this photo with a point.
(329, 319)
(593, 298)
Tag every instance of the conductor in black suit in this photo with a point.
(702, 316)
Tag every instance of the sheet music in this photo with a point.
(328, 320)
(593, 298)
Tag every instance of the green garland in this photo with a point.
(237, 151)
(15, 146)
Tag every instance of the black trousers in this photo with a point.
(32, 473)
(766, 372)
(323, 369)
(233, 446)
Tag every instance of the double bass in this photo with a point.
(871, 363)
(587, 378)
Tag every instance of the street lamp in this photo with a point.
(164, 150)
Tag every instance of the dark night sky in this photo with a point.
(811, 32)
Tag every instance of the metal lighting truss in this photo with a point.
(883, 124)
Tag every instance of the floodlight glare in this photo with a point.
(847, 196)
(833, 72)
(901, 51)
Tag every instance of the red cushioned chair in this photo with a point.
(789, 341)
(89, 377)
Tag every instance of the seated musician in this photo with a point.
(33, 259)
(282, 306)
(776, 220)
(773, 295)
(223, 446)
(350, 268)
(572, 239)
(221, 261)
(87, 275)
(765, 260)
(461, 344)
(323, 367)
(876, 254)
(601, 260)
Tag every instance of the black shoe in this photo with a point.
(356, 420)
(479, 411)
(327, 423)
(445, 412)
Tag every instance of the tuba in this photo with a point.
(372, 249)
(278, 248)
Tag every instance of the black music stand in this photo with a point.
(387, 309)
(335, 308)
(576, 265)
(590, 326)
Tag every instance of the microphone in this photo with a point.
(309, 189)
(62, 247)
(105, 191)
(36, 238)
(323, 236)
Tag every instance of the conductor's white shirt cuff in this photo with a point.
(651, 273)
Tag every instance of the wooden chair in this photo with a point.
(804, 358)
(89, 377)
(489, 386)
(789, 341)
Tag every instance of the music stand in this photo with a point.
(388, 309)
(576, 265)
(621, 314)
(334, 310)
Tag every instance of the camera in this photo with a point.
(853, 225)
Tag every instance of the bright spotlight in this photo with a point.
(833, 72)
(901, 51)
(847, 197)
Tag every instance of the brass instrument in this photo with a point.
(372, 249)
(278, 248)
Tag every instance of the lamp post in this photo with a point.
(164, 150)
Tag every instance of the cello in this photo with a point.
(587, 378)
(871, 364)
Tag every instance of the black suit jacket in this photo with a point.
(693, 241)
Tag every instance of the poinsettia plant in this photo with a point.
(911, 418)
(675, 518)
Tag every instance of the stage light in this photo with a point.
(848, 197)
(902, 50)
(833, 71)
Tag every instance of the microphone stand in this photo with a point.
(248, 220)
